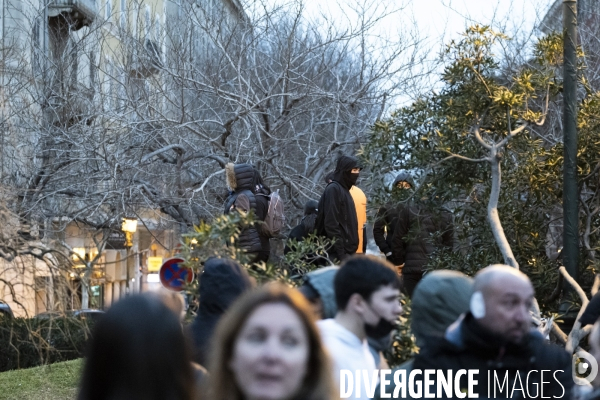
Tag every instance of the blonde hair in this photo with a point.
(317, 385)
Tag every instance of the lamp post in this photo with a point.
(129, 227)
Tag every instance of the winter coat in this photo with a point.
(262, 208)
(384, 226)
(221, 282)
(467, 345)
(360, 203)
(439, 299)
(240, 178)
(418, 234)
(592, 311)
(337, 214)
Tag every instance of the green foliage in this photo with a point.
(404, 346)
(437, 135)
(49, 382)
(31, 342)
(306, 255)
(219, 239)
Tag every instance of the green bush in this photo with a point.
(31, 342)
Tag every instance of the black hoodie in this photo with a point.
(337, 214)
(221, 282)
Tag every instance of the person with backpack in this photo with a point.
(241, 179)
(263, 199)
(336, 218)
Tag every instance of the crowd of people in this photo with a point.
(277, 342)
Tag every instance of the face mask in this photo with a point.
(352, 178)
(382, 329)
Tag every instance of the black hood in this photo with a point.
(221, 283)
(311, 207)
(342, 174)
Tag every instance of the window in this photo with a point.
(147, 22)
(108, 83)
(93, 71)
(123, 10)
(74, 63)
(36, 51)
(157, 32)
(108, 10)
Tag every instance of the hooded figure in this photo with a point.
(336, 219)
(241, 178)
(306, 225)
(422, 229)
(439, 299)
(387, 219)
(221, 283)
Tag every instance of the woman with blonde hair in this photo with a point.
(267, 347)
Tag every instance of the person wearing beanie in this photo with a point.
(387, 219)
(222, 281)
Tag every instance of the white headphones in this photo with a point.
(477, 305)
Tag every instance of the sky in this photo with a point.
(441, 18)
(437, 21)
(445, 18)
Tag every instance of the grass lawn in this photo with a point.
(50, 382)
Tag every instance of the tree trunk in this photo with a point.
(507, 254)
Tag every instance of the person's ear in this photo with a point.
(357, 302)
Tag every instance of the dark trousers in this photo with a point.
(409, 282)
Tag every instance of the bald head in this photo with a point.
(496, 275)
(507, 296)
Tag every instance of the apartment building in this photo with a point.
(75, 73)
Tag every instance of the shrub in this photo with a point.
(31, 342)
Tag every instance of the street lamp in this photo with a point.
(129, 226)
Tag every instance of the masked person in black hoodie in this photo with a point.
(336, 219)
(221, 283)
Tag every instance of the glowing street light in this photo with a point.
(129, 226)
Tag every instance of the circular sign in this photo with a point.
(174, 276)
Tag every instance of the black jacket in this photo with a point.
(467, 345)
(241, 178)
(221, 282)
(262, 208)
(337, 214)
(384, 226)
(418, 234)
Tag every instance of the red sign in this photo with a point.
(174, 276)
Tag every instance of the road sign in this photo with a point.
(174, 276)
(154, 264)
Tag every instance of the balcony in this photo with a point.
(146, 59)
(78, 13)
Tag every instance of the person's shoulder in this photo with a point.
(358, 192)
(326, 324)
(548, 352)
